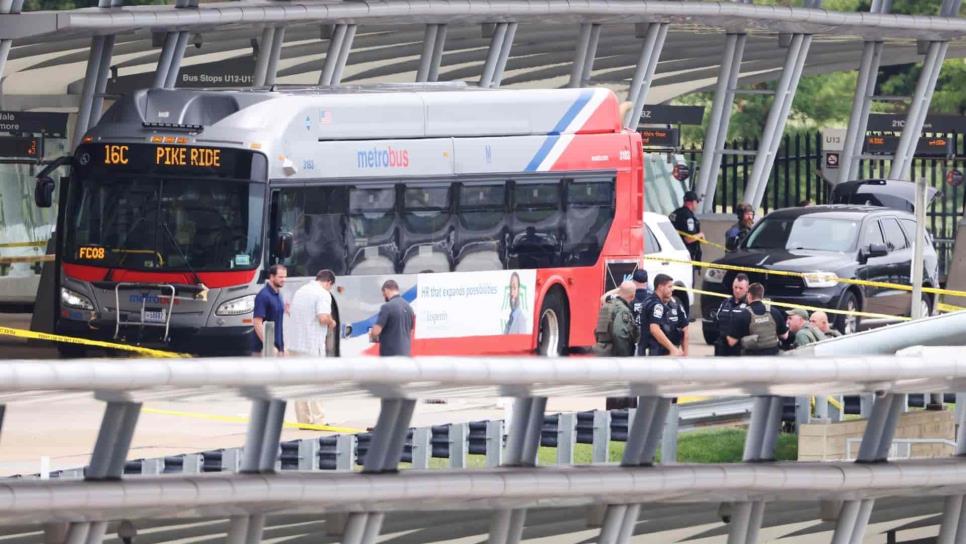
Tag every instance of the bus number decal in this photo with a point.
(115, 154)
(90, 253)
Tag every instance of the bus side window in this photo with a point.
(481, 226)
(589, 213)
(426, 233)
(317, 220)
(372, 239)
(536, 223)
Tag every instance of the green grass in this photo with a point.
(706, 446)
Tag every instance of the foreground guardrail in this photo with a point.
(257, 490)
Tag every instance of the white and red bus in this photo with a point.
(502, 214)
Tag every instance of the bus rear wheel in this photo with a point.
(552, 339)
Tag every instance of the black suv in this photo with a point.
(826, 242)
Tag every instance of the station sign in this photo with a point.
(887, 122)
(53, 125)
(21, 147)
(937, 146)
(660, 138)
(672, 115)
(235, 72)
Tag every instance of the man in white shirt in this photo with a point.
(310, 322)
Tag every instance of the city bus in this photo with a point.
(502, 214)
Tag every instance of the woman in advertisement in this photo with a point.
(517, 322)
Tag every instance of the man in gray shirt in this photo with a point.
(394, 326)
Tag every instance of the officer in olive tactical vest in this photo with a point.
(758, 330)
(667, 322)
(800, 331)
(616, 331)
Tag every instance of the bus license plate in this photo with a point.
(155, 316)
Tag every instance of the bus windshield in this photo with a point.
(161, 223)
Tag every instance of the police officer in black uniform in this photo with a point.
(725, 315)
(666, 320)
(685, 221)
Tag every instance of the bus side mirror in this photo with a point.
(44, 192)
(283, 245)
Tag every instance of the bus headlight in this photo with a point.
(238, 306)
(714, 275)
(820, 279)
(73, 299)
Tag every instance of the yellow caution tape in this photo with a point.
(27, 259)
(24, 244)
(809, 308)
(849, 281)
(702, 240)
(22, 333)
(949, 308)
(240, 419)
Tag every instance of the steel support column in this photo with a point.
(921, 98)
(493, 54)
(107, 461)
(7, 7)
(164, 61)
(584, 55)
(438, 48)
(383, 455)
(426, 58)
(643, 438)
(171, 78)
(953, 527)
(746, 518)
(265, 44)
(337, 55)
(717, 131)
(506, 526)
(278, 40)
(777, 116)
(350, 36)
(644, 73)
(90, 85)
(511, 33)
(876, 441)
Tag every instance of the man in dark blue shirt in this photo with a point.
(394, 326)
(666, 321)
(269, 306)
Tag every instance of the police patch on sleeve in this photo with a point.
(658, 312)
(691, 224)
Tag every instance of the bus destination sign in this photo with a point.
(165, 159)
(167, 155)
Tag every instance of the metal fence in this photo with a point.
(796, 177)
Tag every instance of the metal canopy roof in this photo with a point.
(42, 71)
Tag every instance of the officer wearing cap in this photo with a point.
(801, 332)
(686, 222)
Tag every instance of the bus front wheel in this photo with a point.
(552, 338)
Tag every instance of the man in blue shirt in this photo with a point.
(269, 306)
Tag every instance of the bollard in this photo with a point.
(309, 454)
(566, 438)
(422, 447)
(494, 443)
(601, 444)
(458, 444)
(192, 463)
(231, 460)
(821, 408)
(152, 466)
(345, 452)
(669, 440)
